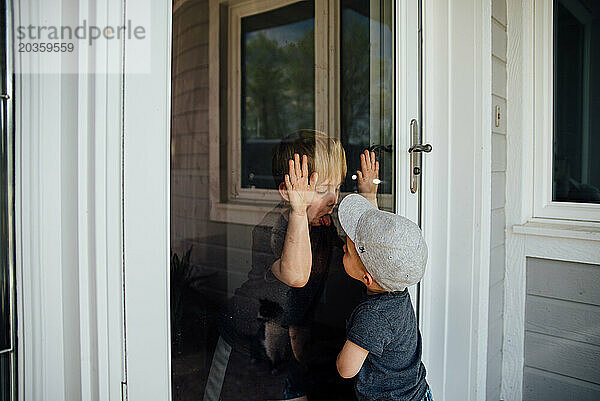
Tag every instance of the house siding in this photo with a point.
(498, 200)
(191, 226)
(190, 222)
(562, 342)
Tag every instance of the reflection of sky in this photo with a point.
(284, 34)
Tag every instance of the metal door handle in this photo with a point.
(381, 148)
(420, 148)
(4, 96)
(415, 155)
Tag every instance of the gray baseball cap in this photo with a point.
(390, 246)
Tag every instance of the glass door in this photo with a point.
(252, 83)
(7, 319)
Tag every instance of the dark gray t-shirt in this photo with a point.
(262, 297)
(385, 325)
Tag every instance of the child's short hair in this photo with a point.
(325, 155)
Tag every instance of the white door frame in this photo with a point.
(147, 147)
(68, 209)
(456, 195)
(456, 202)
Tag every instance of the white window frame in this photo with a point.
(236, 13)
(536, 227)
(243, 205)
(543, 50)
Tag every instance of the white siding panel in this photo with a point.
(498, 77)
(546, 386)
(564, 280)
(561, 356)
(496, 302)
(498, 185)
(499, 11)
(497, 237)
(498, 200)
(572, 320)
(494, 368)
(498, 152)
(496, 265)
(498, 40)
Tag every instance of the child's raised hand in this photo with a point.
(368, 175)
(300, 188)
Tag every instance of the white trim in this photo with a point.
(543, 49)
(456, 196)
(406, 80)
(147, 205)
(68, 208)
(519, 201)
(584, 232)
(553, 233)
(537, 241)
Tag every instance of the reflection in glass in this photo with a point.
(576, 170)
(218, 265)
(278, 89)
(5, 378)
(367, 86)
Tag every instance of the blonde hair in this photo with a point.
(325, 155)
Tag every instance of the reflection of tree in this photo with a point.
(360, 84)
(279, 86)
(355, 79)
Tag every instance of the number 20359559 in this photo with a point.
(43, 47)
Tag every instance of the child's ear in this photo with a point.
(283, 191)
(367, 278)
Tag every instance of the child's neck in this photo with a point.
(375, 291)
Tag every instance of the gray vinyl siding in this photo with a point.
(562, 336)
(498, 197)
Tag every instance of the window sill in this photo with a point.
(240, 212)
(558, 240)
(251, 212)
(560, 229)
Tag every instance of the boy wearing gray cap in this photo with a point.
(387, 253)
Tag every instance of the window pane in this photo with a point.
(576, 169)
(367, 86)
(5, 377)
(278, 84)
(237, 332)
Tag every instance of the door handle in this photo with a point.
(4, 96)
(381, 148)
(415, 151)
(420, 148)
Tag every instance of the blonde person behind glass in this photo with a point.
(261, 352)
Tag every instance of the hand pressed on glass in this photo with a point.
(299, 187)
(368, 176)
